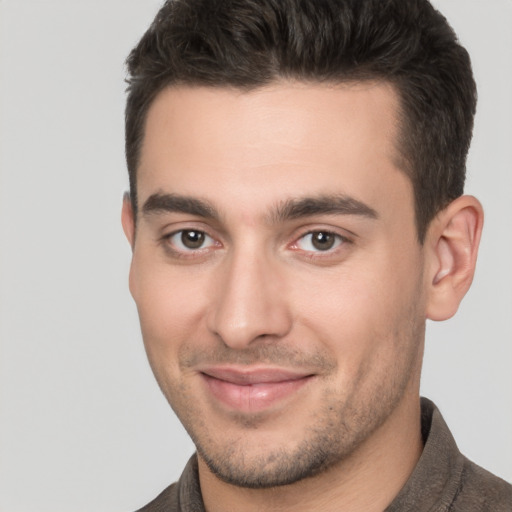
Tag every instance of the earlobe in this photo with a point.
(452, 244)
(128, 220)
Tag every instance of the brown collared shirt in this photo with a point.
(443, 480)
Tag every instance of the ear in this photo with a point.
(451, 250)
(127, 219)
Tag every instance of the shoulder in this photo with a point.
(183, 495)
(444, 480)
(166, 501)
(480, 490)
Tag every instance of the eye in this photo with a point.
(319, 241)
(187, 240)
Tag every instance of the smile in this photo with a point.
(252, 390)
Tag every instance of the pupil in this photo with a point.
(192, 239)
(322, 241)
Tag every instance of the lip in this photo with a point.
(252, 389)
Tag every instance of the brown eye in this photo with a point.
(319, 241)
(192, 239)
(323, 241)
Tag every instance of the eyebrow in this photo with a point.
(172, 203)
(288, 210)
(321, 205)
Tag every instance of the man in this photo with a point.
(296, 214)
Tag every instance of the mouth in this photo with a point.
(252, 389)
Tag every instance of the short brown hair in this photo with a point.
(250, 43)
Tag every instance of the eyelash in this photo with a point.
(340, 240)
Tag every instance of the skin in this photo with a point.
(257, 296)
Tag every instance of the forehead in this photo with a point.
(284, 140)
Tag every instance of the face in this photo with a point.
(277, 273)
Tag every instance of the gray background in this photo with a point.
(83, 426)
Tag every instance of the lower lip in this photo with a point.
(254, 397)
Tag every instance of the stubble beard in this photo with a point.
(313, 455)
(329, 442)
(339, 428)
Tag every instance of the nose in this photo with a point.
(249, 304)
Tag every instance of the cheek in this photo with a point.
(363, 312)
(170, 305)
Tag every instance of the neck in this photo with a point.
(368, 480)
